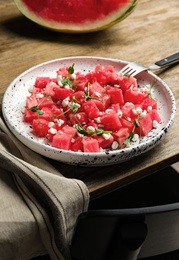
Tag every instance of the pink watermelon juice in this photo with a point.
(93, 112)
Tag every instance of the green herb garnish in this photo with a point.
(71, 69)
(36, 109)
(66, 81)
(98, 131)
(80, 129)
(129, 138)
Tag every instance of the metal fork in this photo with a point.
(134, 68)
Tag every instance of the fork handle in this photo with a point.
(174, 58)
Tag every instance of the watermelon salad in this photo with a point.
(93, 112)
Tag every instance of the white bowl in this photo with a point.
(14, 102)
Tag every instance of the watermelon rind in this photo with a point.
(89, 26)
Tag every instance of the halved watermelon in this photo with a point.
(76, 16)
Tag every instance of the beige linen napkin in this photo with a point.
(38, 206)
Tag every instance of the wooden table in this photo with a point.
(150, 33)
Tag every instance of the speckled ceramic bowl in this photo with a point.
(14, 103)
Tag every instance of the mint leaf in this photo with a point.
(129, 138)
(66, 81)
(81, 130)
(100, 131)
(36, 109)
(71, 69)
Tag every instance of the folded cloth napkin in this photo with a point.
(38, 206)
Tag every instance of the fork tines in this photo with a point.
(132, 69)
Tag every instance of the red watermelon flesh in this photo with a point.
(78, 15)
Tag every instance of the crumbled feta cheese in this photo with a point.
(30, 89)
(73, 76)
(145, 89)
(60, 122)
(115, 145)
(129, 103)
(148, 88)
(77, 105)
(134, 111)
(60, 83)
(129, 119)
(109, 110)
(97, 94)
(59, 77)
(90, 129)
(72, 140)
(106, 136)
(143, 114)
(39, 95)
(97, 119)
(135, 138)
(52, 130)
(131, 87)
(66, 102)
(80, 135)
(101, 149)
(138, 110)
(51, 124)
(59, 80)
(128, 145)
(149, 109)
(119, 113)
(78, 116)
(155, 124)
(67, 86)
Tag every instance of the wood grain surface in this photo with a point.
(149, 34)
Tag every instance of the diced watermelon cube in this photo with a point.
(81, 81)
(77, 145)
(155, 115)
(49, 90)
(103, 102)
(62, 141)
(99, 76)
(111, 122)
(121, 135)
(90, 145)
(31, 101)
(115, 107)
(62, 93)
(96, 89)
(134, 96)
(126, 82)
(104, 142)
(79, 96)
(126, 124)
(145, 125)
(41, 82)
(69, 130)
(29, 116)
(113, 78)
(127, 109)
(116, 95)
(40, 127)
(91, 109)
(78, 118)
(63, 71)
(149, 102)
(45, 102)
(109, 68)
